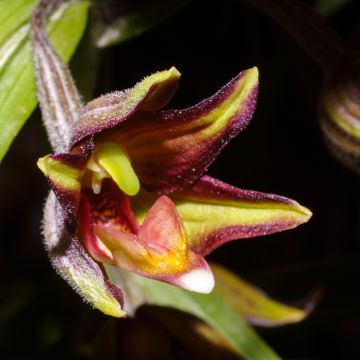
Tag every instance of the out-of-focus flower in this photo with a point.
(124, 147)
(339, 110)
(339, 105)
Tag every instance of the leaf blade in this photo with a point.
(133, 19)
(17, 84)
(254, 305)
(213, 310)
(13, 14)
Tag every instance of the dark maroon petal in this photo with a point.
(214, 213)
(108, 111)
(170, 150)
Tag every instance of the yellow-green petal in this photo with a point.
(60, 173)
(214, 213)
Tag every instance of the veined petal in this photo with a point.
(96, 248)
(214, 213)
(172, 149)
(111, 207)
(73, 264)
(104, 221)
(107, 111)
(163, 232)
(159, 250)
(163, 235)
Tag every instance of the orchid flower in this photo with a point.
(132, 186)
(339, 60)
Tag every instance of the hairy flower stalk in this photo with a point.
(129, 184)
(339, 106)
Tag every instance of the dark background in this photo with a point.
(282, 152)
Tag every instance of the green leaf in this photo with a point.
(135, 19)
(329, 7)
(13, 14)
(214, 310)
(17, 85)
(253, 304)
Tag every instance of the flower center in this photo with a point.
(111, 161)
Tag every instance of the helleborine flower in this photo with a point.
(339, 111)
(133, 188)
(339, 60)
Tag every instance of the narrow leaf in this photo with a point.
(121, 21)
(17, 86)
(253, 304)
(214, 310)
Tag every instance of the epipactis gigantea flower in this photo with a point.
(133, 190)
(132, 185)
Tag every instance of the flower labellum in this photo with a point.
(133, 188)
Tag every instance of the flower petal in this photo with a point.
(74, 265)
(171, 149)
(106, 224)
(162, 230)
(107, 111)
(214, 213)
(63, 172)
(111, 207)
(159, 251)
(163, 235)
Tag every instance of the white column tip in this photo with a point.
(198, 280)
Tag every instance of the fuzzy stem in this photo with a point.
(58, 96)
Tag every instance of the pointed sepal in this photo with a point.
(172, 149)
(110, 110)
(64, 171)
(73, 264)
(214, 213)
